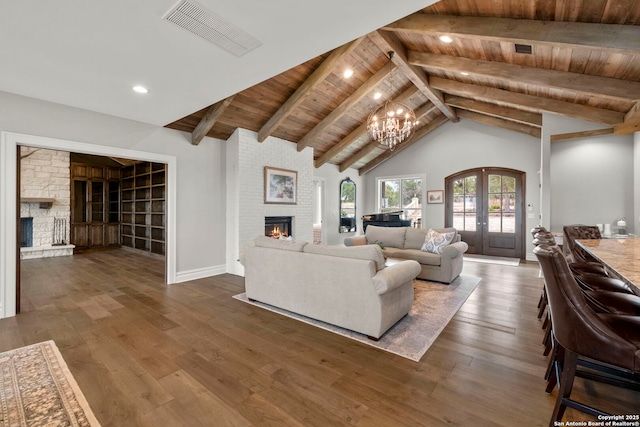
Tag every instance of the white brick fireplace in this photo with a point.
(246, 210)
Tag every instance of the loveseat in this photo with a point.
(408, 243)
(347, 287)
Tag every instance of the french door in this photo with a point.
(486, 205)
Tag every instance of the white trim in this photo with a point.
(8, 199)
(323, 207)
(200, 273)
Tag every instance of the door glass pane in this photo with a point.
(464, 203)
(458, 220)
(495, 222)
(470, 222)
(502, 204)
(470, 185)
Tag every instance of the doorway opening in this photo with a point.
(10, 194)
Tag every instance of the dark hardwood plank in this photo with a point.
(148, 354)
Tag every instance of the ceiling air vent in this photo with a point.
(202, 22)
(524, 48)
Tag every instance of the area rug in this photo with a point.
(514, 262)
(37, 389)
(434, 306)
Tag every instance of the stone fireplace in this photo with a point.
(45, 200)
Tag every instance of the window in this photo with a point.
(401, 194)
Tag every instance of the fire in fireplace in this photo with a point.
(277, 226)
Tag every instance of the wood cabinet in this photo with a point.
(143, 191)
(94, 196)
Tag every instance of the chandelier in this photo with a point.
(393, 122)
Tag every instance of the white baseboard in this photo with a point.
(200, 273)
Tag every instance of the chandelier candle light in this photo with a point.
(393, 122)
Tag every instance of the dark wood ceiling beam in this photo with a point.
(346, 105)
(501, 123)
(423, 131)
(358, 132)
(606, 37)
(582, 134)
(631, 122)
(421, 113)
(605, 87)
(528, 102)
(389, 42)
(317, 77)
(506, 113)
(209, 120)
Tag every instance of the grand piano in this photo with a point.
(386, 219)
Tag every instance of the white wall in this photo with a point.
(455, 147)
(591, 180)
(332, 177)
(200, 171)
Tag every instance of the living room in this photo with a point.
(590, 179)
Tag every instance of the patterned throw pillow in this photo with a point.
(435, 242)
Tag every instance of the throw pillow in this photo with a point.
(435, 242)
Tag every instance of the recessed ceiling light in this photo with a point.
(377, 95)
(140, 89)
(348, 73)
(446, 39)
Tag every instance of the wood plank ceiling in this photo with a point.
(584, 63)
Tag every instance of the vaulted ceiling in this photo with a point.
(508, 62)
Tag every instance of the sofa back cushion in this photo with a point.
(386, 236)
(366, 252)
(287, 245)
(414, 238)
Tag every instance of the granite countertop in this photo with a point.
(620, 255)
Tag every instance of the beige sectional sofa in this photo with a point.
(347, 287)
(406, 243)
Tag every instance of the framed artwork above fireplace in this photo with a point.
(280, 186)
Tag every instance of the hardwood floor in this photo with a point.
(148, 354)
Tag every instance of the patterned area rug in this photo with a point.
(434, 306)
(37, 389)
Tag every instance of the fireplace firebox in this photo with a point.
(26, 232)
(277, 226)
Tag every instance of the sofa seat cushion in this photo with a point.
(424, 258)
(386, 236)
(366, 252)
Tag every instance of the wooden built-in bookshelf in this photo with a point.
(143, 191)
